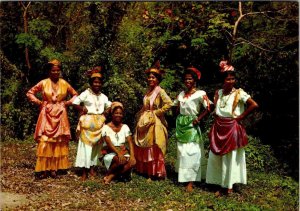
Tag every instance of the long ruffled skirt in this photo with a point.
(150, 145)
(52, 134)
(150, 161)
(52, 154)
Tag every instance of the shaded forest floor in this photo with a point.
(264, 191)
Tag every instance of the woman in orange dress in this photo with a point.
(151, 131)
(52, 130)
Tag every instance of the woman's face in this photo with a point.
(152, 80)
(189, 81)
(117, 115)
(55, 72)
(229, 82)
(96, 85)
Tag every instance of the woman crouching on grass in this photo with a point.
(117, 160)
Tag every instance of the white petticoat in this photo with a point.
(228, 169)
(87, 155)
(191, 162)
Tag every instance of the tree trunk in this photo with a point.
(25, 19)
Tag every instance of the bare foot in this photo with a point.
(53, 174)
(43, 175)
(229, 191)
(83, 177)
(92, 172)
(218, 193)
(108, 179)
(189, 187)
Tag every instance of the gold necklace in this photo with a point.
(54, 87)
(188, 94)
(223, 101)
(96, 101)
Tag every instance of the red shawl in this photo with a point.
(226, 135)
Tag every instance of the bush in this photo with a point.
(260, 156)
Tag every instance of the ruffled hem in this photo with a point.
(52, 163)
(52, 155)
(150, 161)
(52, 149)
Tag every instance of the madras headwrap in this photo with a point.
(116, 104)
(224, 66)
(55, 62)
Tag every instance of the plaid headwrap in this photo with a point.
(224, 66)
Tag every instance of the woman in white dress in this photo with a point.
(227, 163)
(191, 162)
(93, 112)
(117, 159)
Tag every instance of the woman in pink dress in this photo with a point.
(52, 129)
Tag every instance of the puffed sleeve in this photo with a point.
(107, 103)
(127, 131)
(244, 96)
(79, 99)
(166, 101)
(104, 131)
(205, 100)
(33, 91)
(73, 93)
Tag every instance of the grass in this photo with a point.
(264, 191)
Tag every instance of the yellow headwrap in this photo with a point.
(116, 104)
(55, 62)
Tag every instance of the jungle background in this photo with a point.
(261, 39)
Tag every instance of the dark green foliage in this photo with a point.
(15, 119)
(260, 157)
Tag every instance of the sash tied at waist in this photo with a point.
(226, 135)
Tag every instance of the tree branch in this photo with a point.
(253, 44)
(25, 19)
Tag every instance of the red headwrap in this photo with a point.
(224, 66)
(196, 71)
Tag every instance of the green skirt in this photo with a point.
(185, 130)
